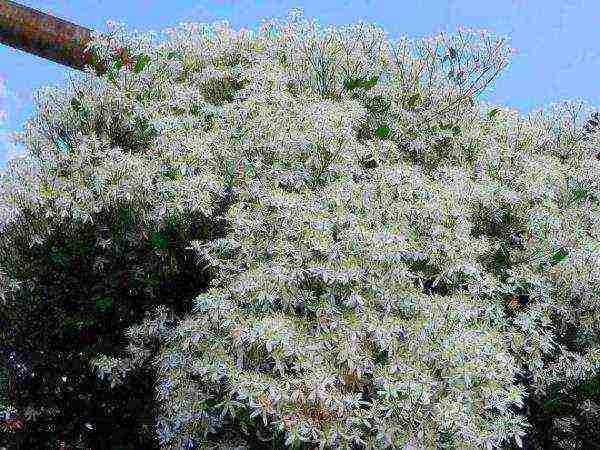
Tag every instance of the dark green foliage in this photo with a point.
(493, 112)
(354, 83)
(560, 402)
(455, 129)
(76, 314)
(446, 440)
(142, 61)
(383, 132)
(413, 100)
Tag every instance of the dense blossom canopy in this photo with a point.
(396, 263)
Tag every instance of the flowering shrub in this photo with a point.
(379, 260)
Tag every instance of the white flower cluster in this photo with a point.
(395, 253)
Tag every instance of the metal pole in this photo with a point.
(46, 36)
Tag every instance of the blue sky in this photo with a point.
(557, 41)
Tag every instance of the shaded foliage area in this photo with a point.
(67, 312)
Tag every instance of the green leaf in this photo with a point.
(196, 110)
(353, 83)
(456, 130)
(580, 194)
(589, 387)
(500, 258)
(447, 440)
(249, 171)
(104, 304)
(172, 54)
(229, 171)
(412, 101)
(141, 63)
(76, 104)
(159, 241)
(119, 63)
(111, 75)
(493, 112)
(58, 256)
(331, 96)
(94, 62)
(173, 174)
(381, 357)
(558, 406)
(148, 132)
(370, 83)
(559, 256)
(70, 325)
(74, 323)
(383, 132)
(144, 96)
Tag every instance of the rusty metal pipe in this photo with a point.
(46, 36)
